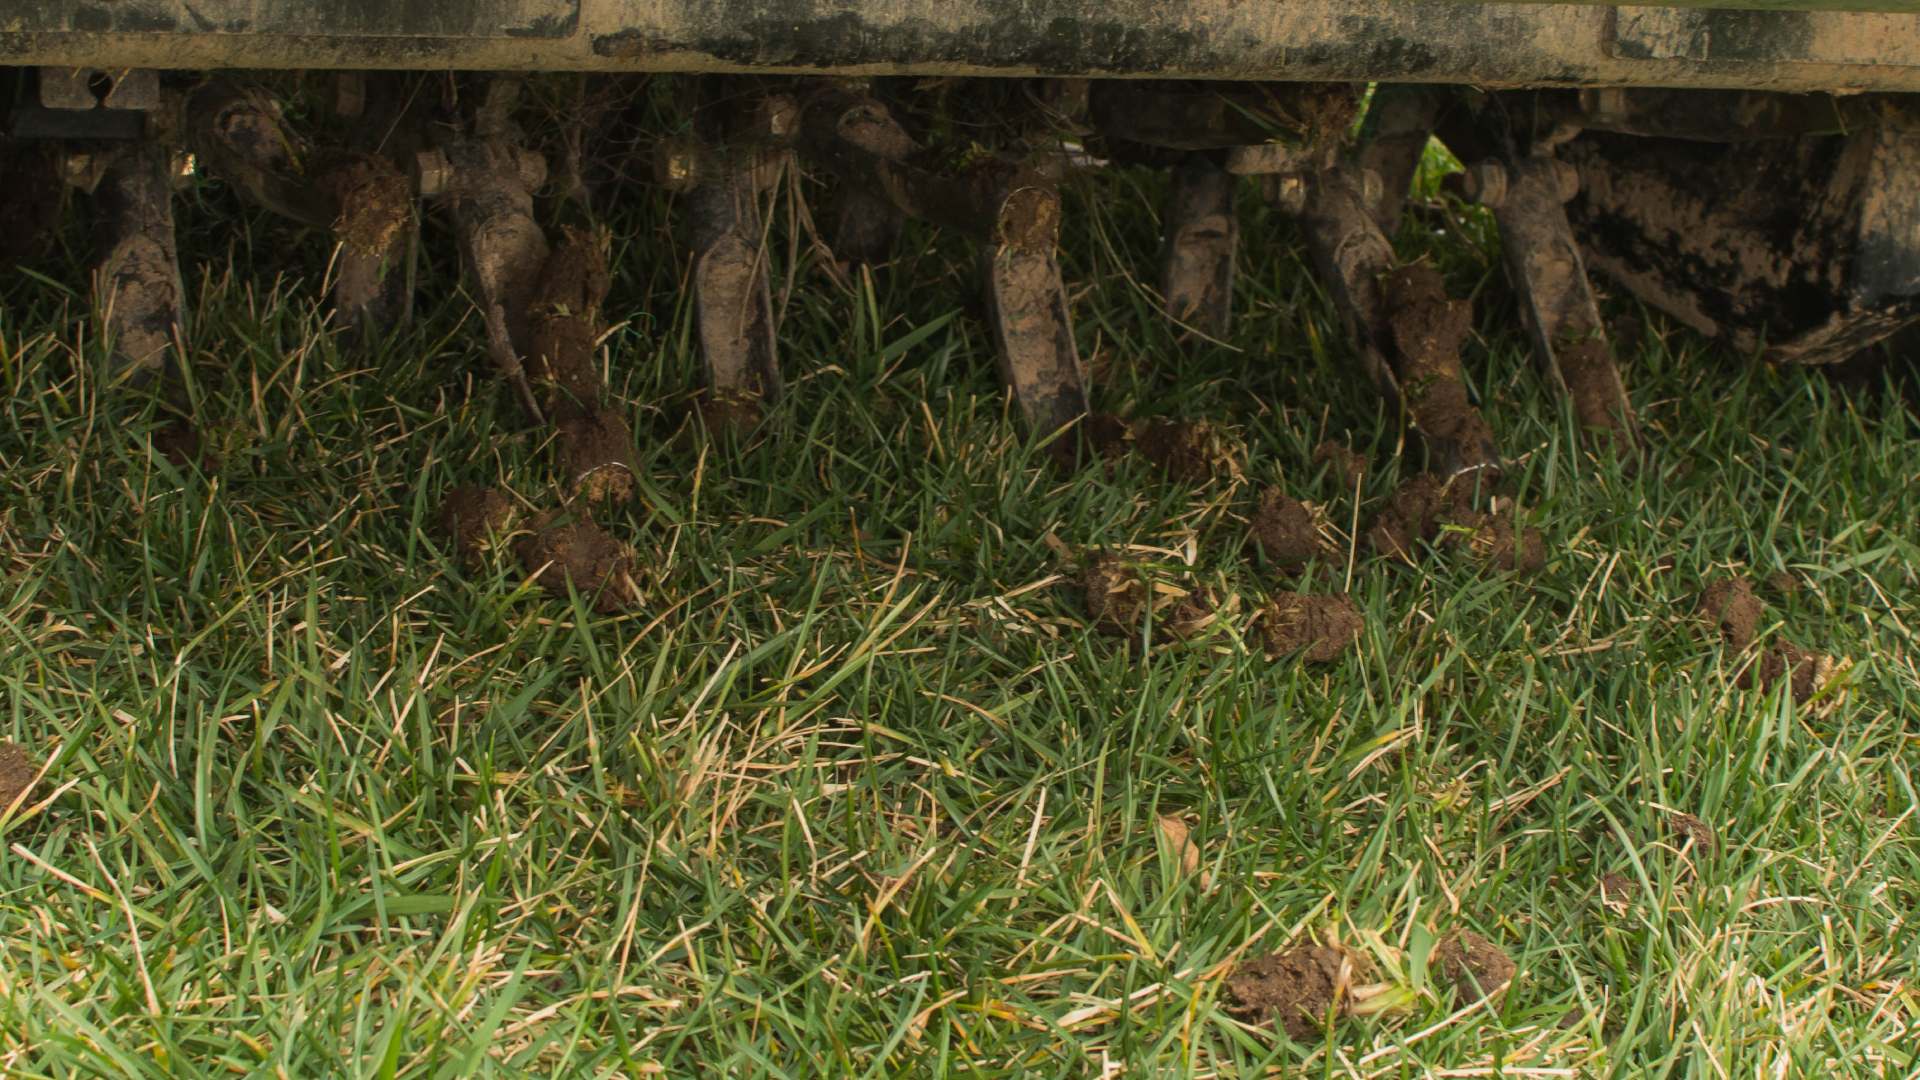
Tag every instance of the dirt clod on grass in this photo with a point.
(375, 202)
(1729, 604)
(473, 518)
(1107, 436)
(1494, 540)
(560, 552)
(1476, 967)
(1804, 670)
(1347, 465)
(1415, 512)
(1190, 452)
(1285, 530)
(1618, 891)
(1688, 827)
(1118, 594)
(728, 414)
(17, 770)
(1299, 989)
(1316, 628)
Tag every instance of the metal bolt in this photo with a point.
(181, 165)
(432, 172)
(1288, 192)
(676, 164)
(1485, 182)
(1606, 102)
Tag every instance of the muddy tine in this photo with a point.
(1202, 241)
(1027, 303)
(376, 224)
(1557, 305)
(866, 228)
(733, 300)
(490, 180)
(136, 282)
(1407, 331)
(1011, 207)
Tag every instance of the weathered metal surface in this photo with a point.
(1202, 241)
(1803, 249)
(137, 287)
(1499, 44)
(1556, 300)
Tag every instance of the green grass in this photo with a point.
(855, 791)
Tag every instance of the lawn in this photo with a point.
(856, 788)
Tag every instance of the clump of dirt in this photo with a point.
(1687, 827)
(473, 518)
(565, 319)
(1415, 511)
(1804, 670)
(578, 552)
(1192, 614)
(1476, 967)
(596, 454)
(1115, 594)
(180, 443)
(29, 200)
(1495, 540)
(1190, 452)
(1782, 583)
(1427, 329)
(17, 771)
(1299, 989)
(728, 413)
(375, 202)
(1618, 891)
(1730, 605)
(1284, 529)
(1317, 628)
(1348, 465)
(1106, 435)
(1586, 366)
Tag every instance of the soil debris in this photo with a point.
(1317, 628)
(375, 202)
(1285, 530)
(596, 454)
(1106, 435)
(1115, 594)
(1687, 827)
(1347, 465)
(1415, 511)
(1586, 366)
(180, 443)
(1618, 891)
(1730, 605)
(473, 518)
(1782, 583)
(579, 552)
(728, 413)
(1476, 967)
(1495, 540)
(1428, 330)
(565, 320)
(1190, 452)
(1299, 989)
(17, 772)
(1804, 669)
